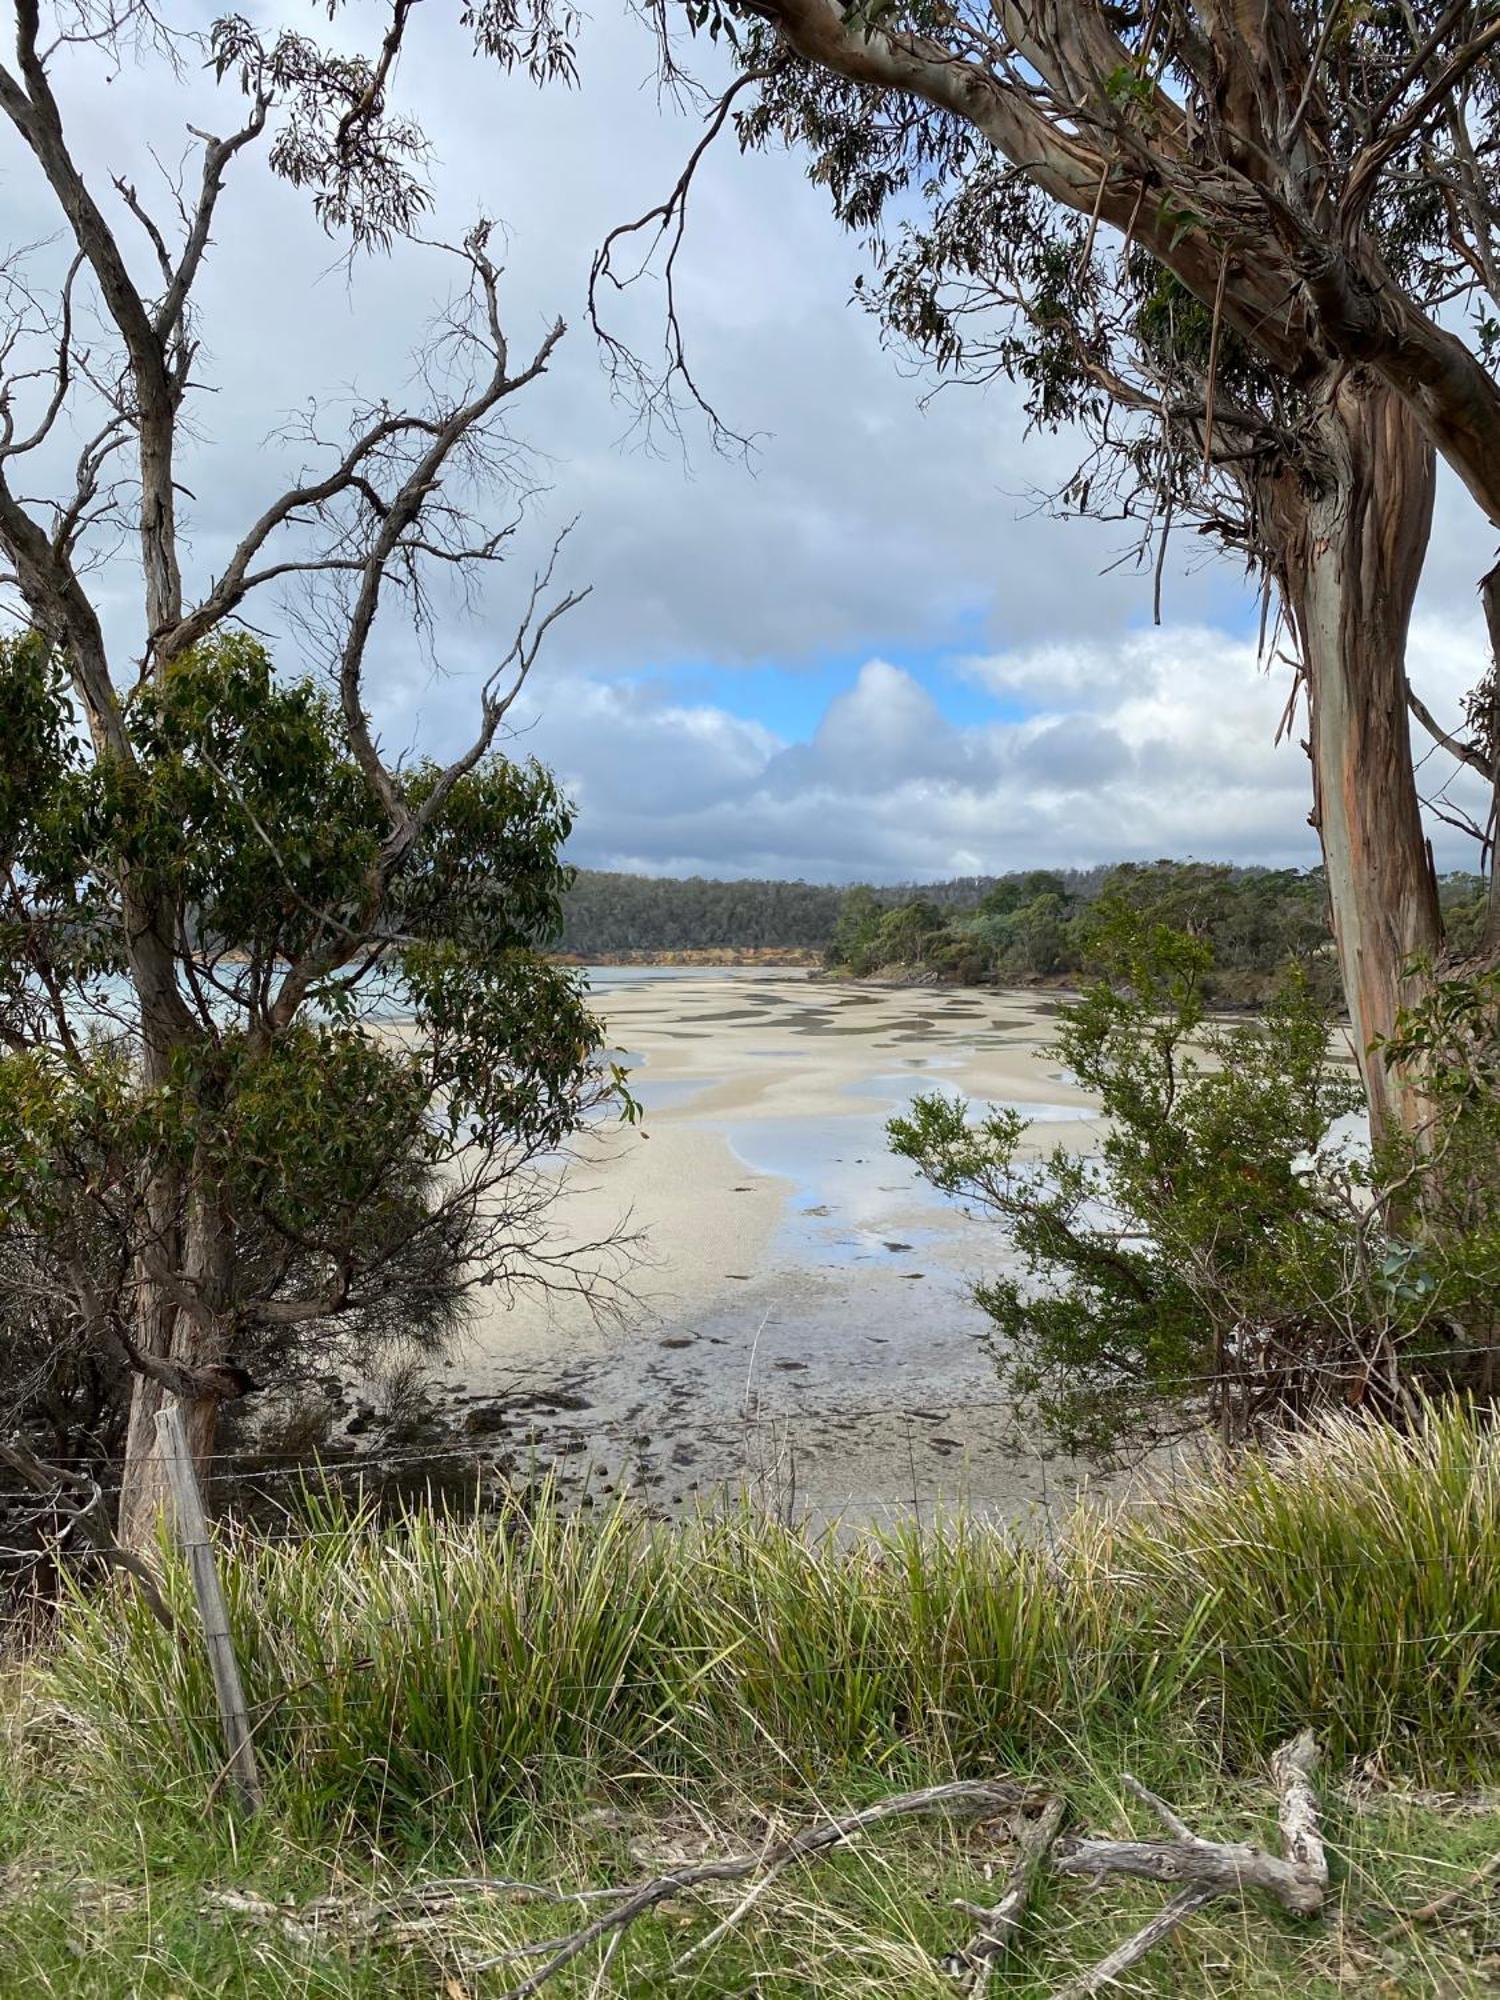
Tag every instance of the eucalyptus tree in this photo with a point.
(1252, 251)
(215, 878)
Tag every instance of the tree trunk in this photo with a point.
(195, 1340)
(1352, 552)
(1489, 597)
(144, 1488)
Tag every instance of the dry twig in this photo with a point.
(1439, 1906)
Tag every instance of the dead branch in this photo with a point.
(1209, 1868)
(1439, 1906)
(1469, 753)
(975, 1964)
(978, 1797)
(1301, 1838)
(1135, 1948)
(86, 1519)
(666, 222)
(1229, 1867)
(1204, 1869)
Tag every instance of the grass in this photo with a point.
(573, 1700)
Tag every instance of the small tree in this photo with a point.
(212, 1147)
(1222, 1252)
(854, 933)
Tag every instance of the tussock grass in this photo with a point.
(570, 1698)
(454, 1667)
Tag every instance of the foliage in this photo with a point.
(1222, 1249)
(1119, 314)
(364, 1178)
(1043, 923)
(605, 913)
(1256, 918)
(1445, 1172)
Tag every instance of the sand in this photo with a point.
(801, 1319)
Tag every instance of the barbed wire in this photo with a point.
(1389, 1562)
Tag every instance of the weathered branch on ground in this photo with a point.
(1108, 1969)
(977, 1797)
(1298, 1879)
(1228, 1867)
(1203, 1870)
(1000, 1922)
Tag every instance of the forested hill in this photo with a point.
(607, 913)
(977, 927)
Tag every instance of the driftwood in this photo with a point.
(1206, 1869)
(977, 1797)
(415, 1915)
(999, 1923)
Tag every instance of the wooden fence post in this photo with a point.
(192, 1532)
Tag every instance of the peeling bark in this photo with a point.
(183, 1355)
(1351, 554)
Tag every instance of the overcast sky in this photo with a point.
(868, 653)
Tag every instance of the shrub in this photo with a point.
(1224, 1252)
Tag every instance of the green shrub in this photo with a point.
(1223, 1254)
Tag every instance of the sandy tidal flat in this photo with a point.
(801, 1316)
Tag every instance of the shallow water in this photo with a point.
(849, 1194)
(805, 1315)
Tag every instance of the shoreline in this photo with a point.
(802, 1323)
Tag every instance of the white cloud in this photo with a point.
(1166, 749)
(867, 526)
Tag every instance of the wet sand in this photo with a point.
(803, 1321)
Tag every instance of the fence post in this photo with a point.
(192, 1533)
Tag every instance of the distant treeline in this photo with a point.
(1041, 925)
(982, 928)
(606, 913)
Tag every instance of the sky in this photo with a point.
(866, 652)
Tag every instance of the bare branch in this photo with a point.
(971, 1796)
(1466, 752)
(999, 1924)
(667, 221)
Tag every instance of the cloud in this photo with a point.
(1161, 746)
(865, 530)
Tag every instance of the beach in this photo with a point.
(799, 1319)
